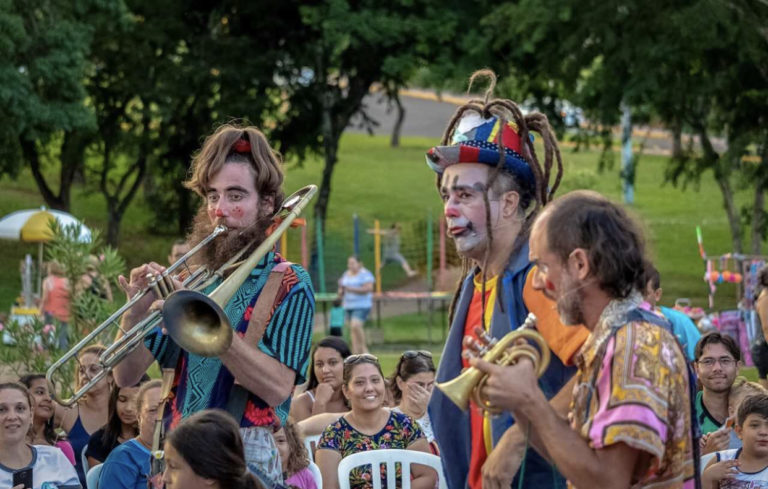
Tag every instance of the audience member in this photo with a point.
(412, 384)
(54, 303)
(49, 465)
(717, 364)
(356, 290)
(191, 463)
(368, 426)
(92, 281)
(336, 322)
(682, 326)
(43, 432)
(759, 348)
(180, 248)
(121, 427)
(127, 467)
(323, 392)
(91, 411)
(745, 467)
(294, 457)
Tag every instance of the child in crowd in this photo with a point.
(740, 390)
(121, 426)
(745, 467)
(294, 457)
(43, 432)
(337, 318)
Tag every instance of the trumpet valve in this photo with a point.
(487, 339)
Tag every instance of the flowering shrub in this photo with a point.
(30, 345)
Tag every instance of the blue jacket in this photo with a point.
(451, 425)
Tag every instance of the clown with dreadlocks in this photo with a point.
(492, 185)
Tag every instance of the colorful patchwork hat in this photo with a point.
(475, 141)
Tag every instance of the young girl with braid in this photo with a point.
(492, 184)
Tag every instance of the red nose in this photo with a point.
(549, 285)
(219, 213)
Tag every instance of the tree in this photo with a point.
(350, 47)
(44, 49)
(693, 63)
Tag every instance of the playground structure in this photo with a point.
(422, 243)
(324, 254)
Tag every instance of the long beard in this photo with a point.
(225, 246)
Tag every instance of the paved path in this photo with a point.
(426, 114)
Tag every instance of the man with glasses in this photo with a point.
(717, 364)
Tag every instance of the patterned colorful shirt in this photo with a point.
(399, 432)
(632, 388)
(204, 382)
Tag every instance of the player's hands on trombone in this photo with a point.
(148, 277)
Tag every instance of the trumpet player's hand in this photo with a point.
(504, 460)
(474, 345)
(511, 387)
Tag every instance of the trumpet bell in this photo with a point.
(196, 323)
(469, 384)
(459, 389)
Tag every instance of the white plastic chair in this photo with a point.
(84, 459)
(375, 458)
(92, 476)
(316, 474)
(311, 443)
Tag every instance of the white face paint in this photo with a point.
(462, 188)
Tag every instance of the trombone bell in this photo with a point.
(196, 323)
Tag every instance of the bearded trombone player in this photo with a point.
(239, 177)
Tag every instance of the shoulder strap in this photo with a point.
(262, 310)
(257, 325)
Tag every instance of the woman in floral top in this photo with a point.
(368, 426)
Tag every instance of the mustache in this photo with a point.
(229, 243)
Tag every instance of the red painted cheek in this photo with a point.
(549, 285)
(237, 212)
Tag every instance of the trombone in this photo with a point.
(210, 340)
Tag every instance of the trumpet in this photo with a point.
(506, 351)
(207, 340)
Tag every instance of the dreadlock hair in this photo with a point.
(499, 179)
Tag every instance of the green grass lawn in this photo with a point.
(375, 181)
